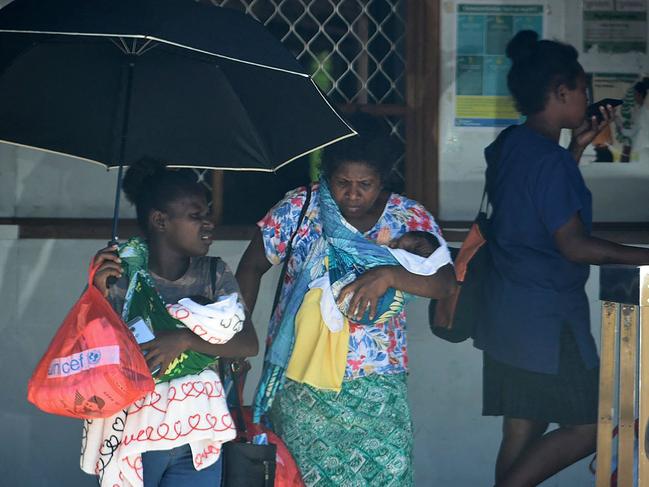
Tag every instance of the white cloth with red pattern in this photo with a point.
(188, 410)
(216, 322)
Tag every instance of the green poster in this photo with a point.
(483, 31)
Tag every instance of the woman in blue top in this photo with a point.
(540, 360)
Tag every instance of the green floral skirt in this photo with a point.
(361, 436)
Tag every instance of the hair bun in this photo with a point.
(139, 175)
(522, 45)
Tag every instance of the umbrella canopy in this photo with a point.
(193, 85)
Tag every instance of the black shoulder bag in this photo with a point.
(244, 463)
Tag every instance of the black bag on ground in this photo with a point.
(248, 465)
(244, 463)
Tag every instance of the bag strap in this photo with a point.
(236, 369)
(213, 263)
(234, 366)
(485, 202)
(289, 249)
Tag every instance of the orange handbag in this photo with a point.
(453, 318)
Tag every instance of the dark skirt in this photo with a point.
(569, 397)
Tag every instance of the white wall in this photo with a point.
(41, 184)
(41, 279)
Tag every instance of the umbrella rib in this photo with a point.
(266, 66)
(331, 107)
(147, 46)
(108, 167)
(124, 45)
(49, 151)
(221, 168)
(352, 134)
(177, 166)
(121, 45)
(153, 38)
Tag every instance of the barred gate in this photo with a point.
(355, 50)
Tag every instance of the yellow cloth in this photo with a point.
(319, 356)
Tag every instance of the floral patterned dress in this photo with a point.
(369, 420)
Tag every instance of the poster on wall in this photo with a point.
(483, 30)
(626, 139)
(615, 26)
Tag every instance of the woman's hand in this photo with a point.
(366, 291)
(108, 262)
(164, 349)
(587, 131)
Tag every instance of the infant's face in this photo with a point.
(416, 242)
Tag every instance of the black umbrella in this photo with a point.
(112, 81)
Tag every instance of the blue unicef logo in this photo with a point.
(94, 357)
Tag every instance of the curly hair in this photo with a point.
(372, 146)
(149, 185)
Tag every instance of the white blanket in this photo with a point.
(188, 410)
(423, 266)
(215, 323)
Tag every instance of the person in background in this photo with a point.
(540, 360)
(334, 382)
(637, 127)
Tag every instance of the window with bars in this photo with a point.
(355, 50)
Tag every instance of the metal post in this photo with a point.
(643, 382)
(625, 314)
(627, 395)
(610, 315)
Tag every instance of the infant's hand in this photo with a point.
(417, 242)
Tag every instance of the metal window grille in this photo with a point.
(355, 49)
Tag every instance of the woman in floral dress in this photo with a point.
(334, 380)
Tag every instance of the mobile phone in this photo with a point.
(594, 111)
(140, 330)
(142, 334)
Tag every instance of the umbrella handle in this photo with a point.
(114, 238)
(111, 280)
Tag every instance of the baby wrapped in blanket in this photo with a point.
(215, 322)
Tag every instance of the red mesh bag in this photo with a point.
(93, 367)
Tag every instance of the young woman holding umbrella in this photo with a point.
(540, 360)
(172, 436)
(334, 380)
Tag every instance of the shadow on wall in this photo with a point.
(38, 284)
(55, 186)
